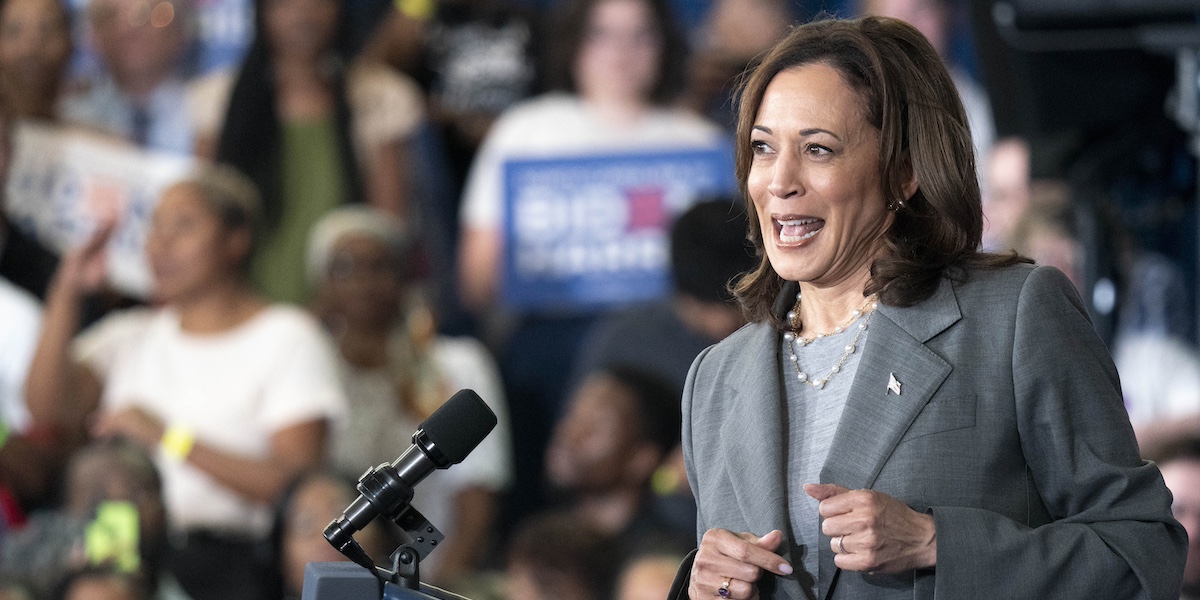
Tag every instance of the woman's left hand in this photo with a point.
(134, 423)
(873, 531)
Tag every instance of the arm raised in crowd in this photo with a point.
(58, 391)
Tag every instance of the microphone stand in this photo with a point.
(406, 559)
(444, 439)
(385, 493)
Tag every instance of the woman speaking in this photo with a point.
(905, 416)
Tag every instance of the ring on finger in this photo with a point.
(723, 591)
(841, 548)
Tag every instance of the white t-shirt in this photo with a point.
(378, 431)
(1160, 377)
(20, 322)
(234, 389)
(561, 125)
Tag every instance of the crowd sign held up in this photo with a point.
(61, 183)
(591, 232)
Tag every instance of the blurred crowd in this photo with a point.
(331, 268)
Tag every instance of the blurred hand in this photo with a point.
(739, 557)
(84, 268)
(133, 423)
(873, 531)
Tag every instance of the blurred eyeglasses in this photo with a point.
(135, 14)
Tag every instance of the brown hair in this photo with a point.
(909, 97)
(569, 33)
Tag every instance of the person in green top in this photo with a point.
(290, 126)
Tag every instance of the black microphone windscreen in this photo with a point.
(459, 425)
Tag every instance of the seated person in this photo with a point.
(708, 250)
(102, 584)
(233, 395)
(620, 425)
(311, 501)
(112, 518)
(397, 371)
(558, 557)
(1180, 465)
(648, 575)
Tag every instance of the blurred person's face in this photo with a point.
(101, 588)
(1006, 193)
(815, 177)
(528, 582)
(1054, 247)
(316, 503)
(140, 40)
(621, 52)
(99, 479)
(714, 320)
(928, 16)
(189, 248)
(647, 579)
(1183, 479)
(300, 29)
(362, 285)
(34, 45)
(593, 448)
(521, 584)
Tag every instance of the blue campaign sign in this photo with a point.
(592, 232)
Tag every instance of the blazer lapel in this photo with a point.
(876, 417)
(752, 435)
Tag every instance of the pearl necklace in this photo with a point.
(793, 337)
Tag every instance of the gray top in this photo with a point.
(812, 418)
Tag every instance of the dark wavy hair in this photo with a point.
(251, 134)
(909, 97)
(568, 32)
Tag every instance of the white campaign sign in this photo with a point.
(61, 182)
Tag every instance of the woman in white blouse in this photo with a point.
(233, 394)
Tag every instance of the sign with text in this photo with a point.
(61, 183)
(592, 232)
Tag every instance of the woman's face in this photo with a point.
(621, 52)
(188, 246)
(363, 284)
(814, 177)
(300, 29)
(34, 44)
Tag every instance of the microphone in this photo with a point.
(444, 439)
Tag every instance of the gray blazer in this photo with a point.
(1009, 428)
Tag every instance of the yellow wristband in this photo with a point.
(177, 442)
(420, 10)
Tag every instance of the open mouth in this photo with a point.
(798, 230)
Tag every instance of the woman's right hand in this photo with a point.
(739, 558)
(84, 269)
